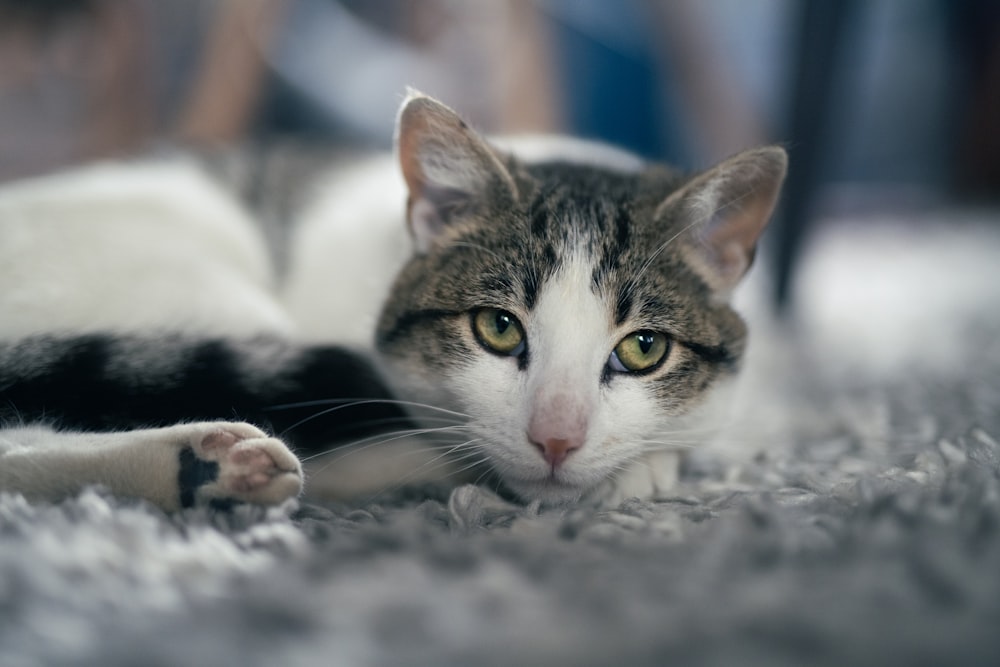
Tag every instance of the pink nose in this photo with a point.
(555, 450)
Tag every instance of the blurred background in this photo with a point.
(884, 104)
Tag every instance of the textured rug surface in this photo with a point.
(861, 526)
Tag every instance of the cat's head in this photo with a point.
(572, 311)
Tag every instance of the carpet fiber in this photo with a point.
(863, 528)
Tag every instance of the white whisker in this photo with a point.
(482, 476)
(667, 444)
(363, 444)
(448, 453)
(349, 402)
(352, 404)
(475, 464)
(441, 461)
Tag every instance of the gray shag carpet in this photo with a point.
(863, 528)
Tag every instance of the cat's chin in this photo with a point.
(548, 492)
(653, 475)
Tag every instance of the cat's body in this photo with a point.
(137, 296)
(557, 318)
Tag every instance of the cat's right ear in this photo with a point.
(450, 171)
(726, 209)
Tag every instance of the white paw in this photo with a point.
(653, 475)
(236, 461)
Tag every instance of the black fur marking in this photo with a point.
(193, 474)
(612, 252)
(222, 504)
(623, 226)
(544, 209)
(623, 305)
(652, 307)
(523, 359)
(605, 268)
(411, 318)
(713, 354)
(496, 283)
(550, 256)
(108, 382)
(529, 285)
(563, 209)
(539, 220)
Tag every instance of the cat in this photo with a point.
(560, 311)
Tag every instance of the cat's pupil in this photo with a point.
(645, 342)
(502, 323)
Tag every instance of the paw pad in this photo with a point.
(237, 462)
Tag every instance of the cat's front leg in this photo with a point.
(174, 467)
(652, 475)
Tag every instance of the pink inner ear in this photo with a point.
(423, 121)
(732, 261)
(738, 197)
(729, 242)
(425, 223)
(731, 235)
(447, 167)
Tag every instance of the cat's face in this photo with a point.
(571, 312)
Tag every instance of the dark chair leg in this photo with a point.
(818, 45)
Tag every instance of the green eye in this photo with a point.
(498, 331)
(639, 351)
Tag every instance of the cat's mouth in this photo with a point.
(557, 478)
(556, 487)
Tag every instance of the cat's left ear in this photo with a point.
(727, 208)
(450, 171)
